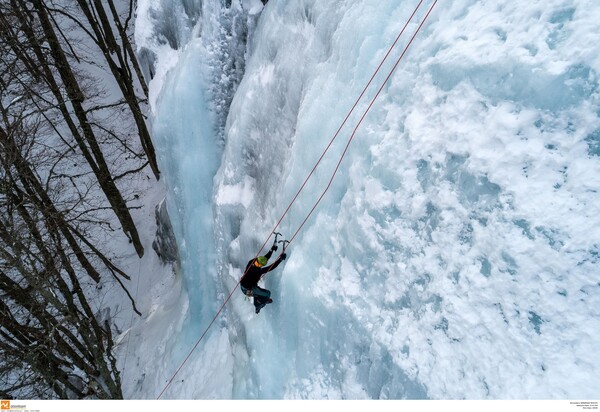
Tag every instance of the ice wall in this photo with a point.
(456, 254)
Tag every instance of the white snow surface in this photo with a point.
(456, 254)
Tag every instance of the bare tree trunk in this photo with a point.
(107, 42)
(130, 54)
(43, 202)
(52, 341)
(88, 352)
(76, 98)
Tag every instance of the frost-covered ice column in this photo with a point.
(195, 54)
(184, 125)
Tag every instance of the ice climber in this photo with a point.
(254, 271)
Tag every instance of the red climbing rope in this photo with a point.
(360, 121)
(315, 166)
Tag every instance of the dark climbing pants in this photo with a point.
(261, 296)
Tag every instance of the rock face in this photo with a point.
(164, 243)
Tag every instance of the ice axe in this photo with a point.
(285, 242)
(277, 234)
